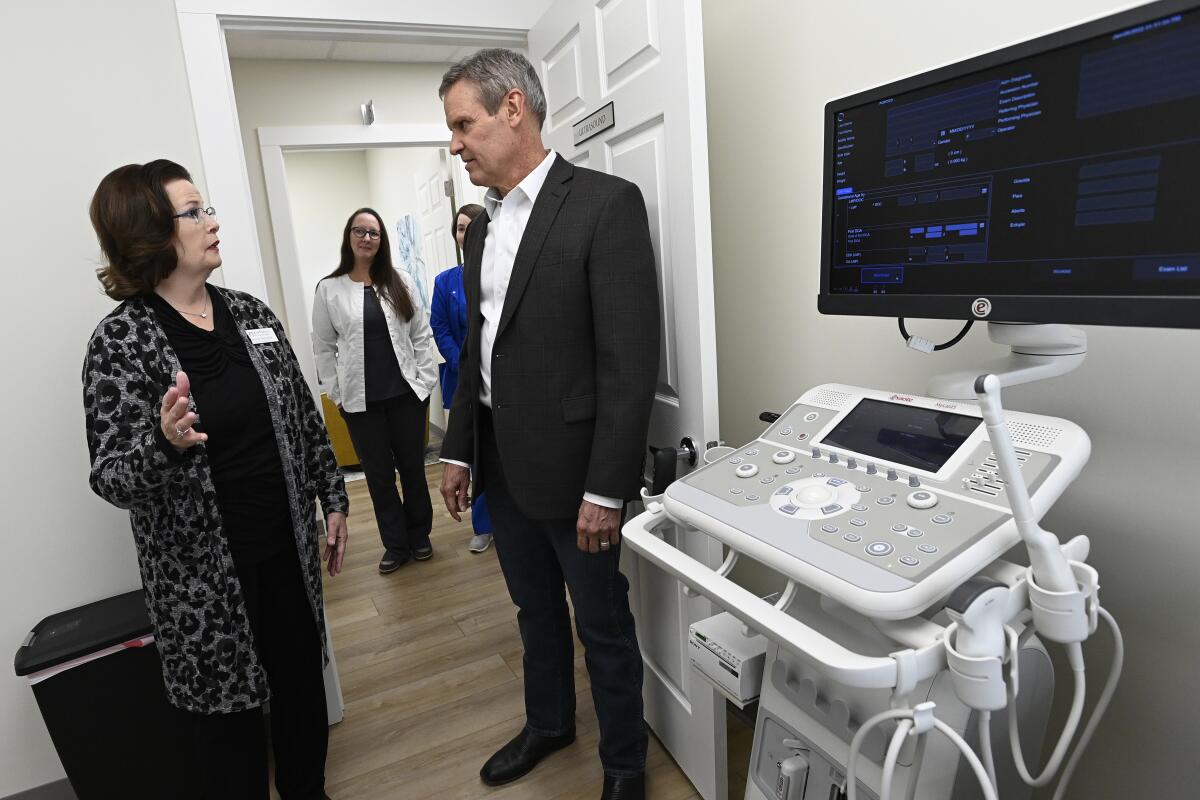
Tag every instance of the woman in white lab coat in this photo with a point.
(375, 359)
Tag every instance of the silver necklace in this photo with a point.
(202, 314)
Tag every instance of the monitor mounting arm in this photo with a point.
(1038, 352)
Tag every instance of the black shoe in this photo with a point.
(624, 788)
(390, 563)
(423, 552)
(521, 755)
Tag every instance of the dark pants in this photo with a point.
(537, 558)
(389, 437)
(231, 749)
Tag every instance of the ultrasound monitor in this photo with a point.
(1053, 181)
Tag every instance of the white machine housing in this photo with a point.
(800, 704)
(868, 527)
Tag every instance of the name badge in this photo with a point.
(262, 335)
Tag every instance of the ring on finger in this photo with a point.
(604, 544)
(181, 432)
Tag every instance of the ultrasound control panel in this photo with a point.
(876, 498)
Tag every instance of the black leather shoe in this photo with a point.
(424, 552)
(624, 788)
(390, 563)
(521, 755)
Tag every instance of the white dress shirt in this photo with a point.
(507, 218)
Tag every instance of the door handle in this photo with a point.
(665, 467)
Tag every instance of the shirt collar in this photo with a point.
(530, 186)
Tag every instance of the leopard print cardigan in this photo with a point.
(191, 587)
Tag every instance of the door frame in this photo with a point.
(274, 143)
(203, 25)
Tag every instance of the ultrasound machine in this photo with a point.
(1043, 185)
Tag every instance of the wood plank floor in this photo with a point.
(430, 663)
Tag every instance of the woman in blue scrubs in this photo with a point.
(448, 318)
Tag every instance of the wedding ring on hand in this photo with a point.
(180, 433)
(604, 544)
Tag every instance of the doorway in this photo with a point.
(317, 175)
(212, 32)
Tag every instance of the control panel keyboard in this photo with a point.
(870, 523)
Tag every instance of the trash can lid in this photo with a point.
(84, 630)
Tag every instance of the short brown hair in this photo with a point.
(134, 220)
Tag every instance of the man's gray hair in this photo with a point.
(496, 72)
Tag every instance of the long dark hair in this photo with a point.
(470, 211)
(133, 218)
(383, 275)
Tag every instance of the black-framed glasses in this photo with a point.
(360, 233)
(194, 214)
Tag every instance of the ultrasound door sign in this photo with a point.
(595, 123)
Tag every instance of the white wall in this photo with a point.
(324, 188)
(770, 67)
(279, 93)
(78, 104)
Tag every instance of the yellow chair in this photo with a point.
(339, 434)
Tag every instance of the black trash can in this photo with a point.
(96, 677)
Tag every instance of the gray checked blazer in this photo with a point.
(575, 361)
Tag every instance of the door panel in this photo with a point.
(637, 157)
(628, 41)
(563, 83)
(437, 242)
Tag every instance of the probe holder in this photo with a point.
(979, 680)
(1066, 617)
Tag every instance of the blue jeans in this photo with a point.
(538, 557)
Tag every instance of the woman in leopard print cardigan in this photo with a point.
(225, 530)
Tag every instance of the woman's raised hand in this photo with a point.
(175, 419)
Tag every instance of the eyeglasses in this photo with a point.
(194, 214)
(360, 233)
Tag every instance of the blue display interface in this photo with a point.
(1075, 172)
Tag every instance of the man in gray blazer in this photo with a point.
(557, 381)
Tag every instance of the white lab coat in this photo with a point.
(337, 324)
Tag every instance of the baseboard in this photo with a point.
(58, 790)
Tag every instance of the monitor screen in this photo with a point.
(1057, 180)
(920, 438)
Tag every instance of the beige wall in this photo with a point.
(281, 93)
(77, 104)
(770, 67)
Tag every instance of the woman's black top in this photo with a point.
(242, 452)
(382, 376)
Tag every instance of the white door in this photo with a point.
(645, 57)
(433, 207)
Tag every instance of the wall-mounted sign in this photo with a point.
(593, 124)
